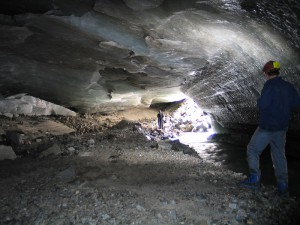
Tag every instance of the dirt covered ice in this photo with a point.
(121, 173)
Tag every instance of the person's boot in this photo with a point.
(252, 182)
(282, 189)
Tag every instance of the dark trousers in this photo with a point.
(160, 123)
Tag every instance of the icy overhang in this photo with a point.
(106, 55)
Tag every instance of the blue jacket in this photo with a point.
(278, 99)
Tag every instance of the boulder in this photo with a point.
(6, 152)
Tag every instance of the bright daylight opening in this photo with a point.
(194, 124)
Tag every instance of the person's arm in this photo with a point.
(265, 99)
(296, 99)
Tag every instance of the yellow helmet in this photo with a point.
(271, 66)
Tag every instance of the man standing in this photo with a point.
(278, 99)
(160, 120)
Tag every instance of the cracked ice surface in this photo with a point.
(106, 55)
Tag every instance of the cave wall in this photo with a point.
(103, 56)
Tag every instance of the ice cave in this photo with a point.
(81, 58)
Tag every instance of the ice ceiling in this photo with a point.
(106, 55)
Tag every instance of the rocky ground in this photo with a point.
(107, 170)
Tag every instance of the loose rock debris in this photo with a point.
(107, 171)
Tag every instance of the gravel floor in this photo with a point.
(121, 176)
